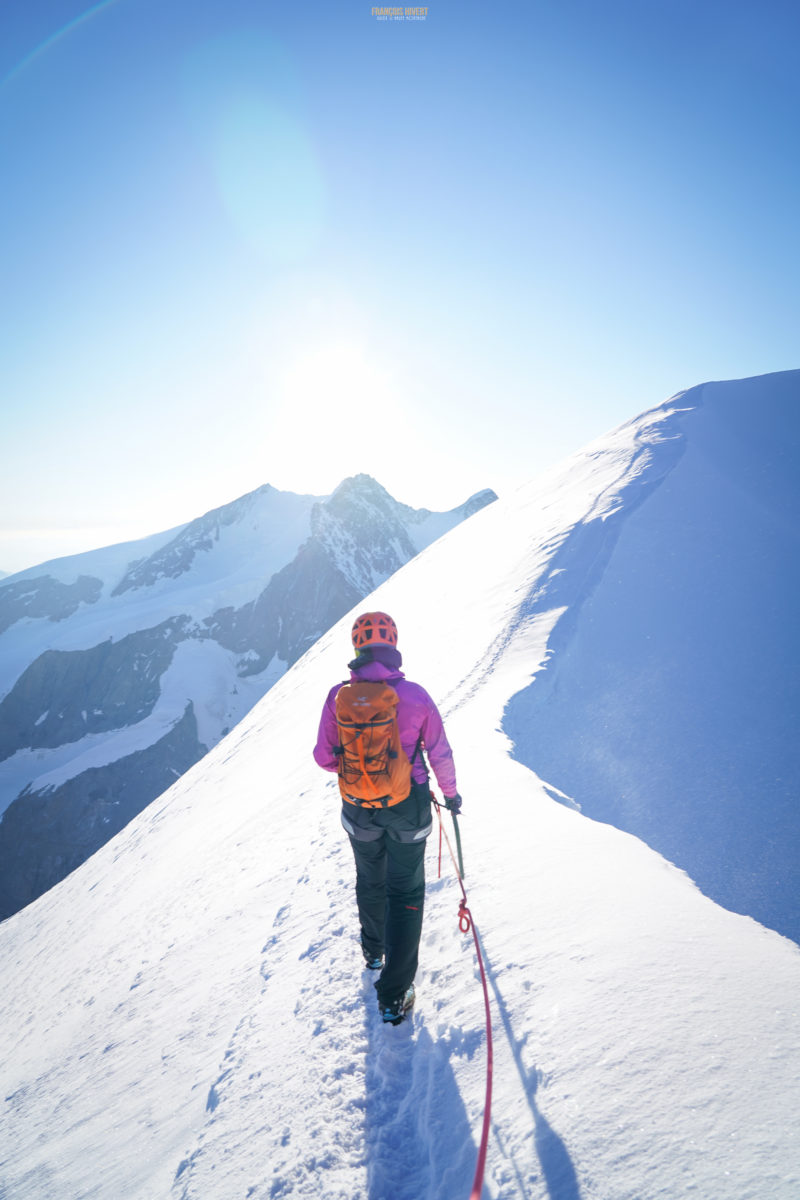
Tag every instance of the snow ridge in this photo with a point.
(191, 1017)
(676, 639)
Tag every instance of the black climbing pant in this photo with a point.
(389, 851)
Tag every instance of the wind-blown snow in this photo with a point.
(188, 1011)
(673, 706)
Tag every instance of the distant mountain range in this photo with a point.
(121, 667)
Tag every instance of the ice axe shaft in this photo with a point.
(458, 845)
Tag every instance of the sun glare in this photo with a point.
(331, 400)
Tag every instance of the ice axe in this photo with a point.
(454, 814)
(458, 846)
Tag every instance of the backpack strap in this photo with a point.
(338, 750)
(418, 751)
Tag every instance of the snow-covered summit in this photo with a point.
(247, 539)
(189, 1014)
(261, 528)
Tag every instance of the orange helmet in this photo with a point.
(374, 629)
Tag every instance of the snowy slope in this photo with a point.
(672, 708)
(189, 1015)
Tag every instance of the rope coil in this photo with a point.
(466, 924)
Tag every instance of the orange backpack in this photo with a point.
(374, 770)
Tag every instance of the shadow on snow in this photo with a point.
(557, 1170)
(419, 1141)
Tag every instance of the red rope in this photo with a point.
(466, 924)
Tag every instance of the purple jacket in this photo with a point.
(416, 715)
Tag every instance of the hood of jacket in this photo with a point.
(376, 672)
(376, 664)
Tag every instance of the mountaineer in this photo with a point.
(375, 732)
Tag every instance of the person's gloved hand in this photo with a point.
(453, 803)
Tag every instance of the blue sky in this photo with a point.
(257, 242)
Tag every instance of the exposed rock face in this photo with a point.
(120, 668)
(46, 834)
(298, 604)
(66, 694)
(45, 597)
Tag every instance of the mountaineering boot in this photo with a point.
(374, 964)
(396, 1011)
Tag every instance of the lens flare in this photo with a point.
(54, 38)
(268, 178)
(244, 103)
